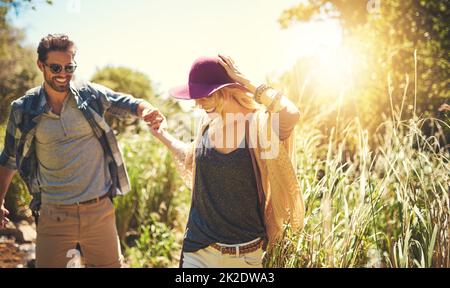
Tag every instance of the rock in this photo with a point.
(11, 231)
(9, 225)
(10, 254)
(27, 230)
(23, 232)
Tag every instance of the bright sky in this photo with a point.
(163, 37)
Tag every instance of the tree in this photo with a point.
(128, 81)
(18, 73)
(125, 80)
(390, 33)
(18, 63)
(389, 36)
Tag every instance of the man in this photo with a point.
(58, 140)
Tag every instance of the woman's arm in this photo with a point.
(182, 153)
(287, 111)
(157, 122)
(178, 148)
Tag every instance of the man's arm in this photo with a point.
(117, 103)
(144, 108)
(6, 176)
(122, 105)
(8, 161)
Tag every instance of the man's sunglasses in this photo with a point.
(57, 68)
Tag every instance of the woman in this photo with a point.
(242, 177)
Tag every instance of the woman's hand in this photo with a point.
(235, 74)
(155, 120)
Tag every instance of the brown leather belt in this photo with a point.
(95, 200)
(236, 250)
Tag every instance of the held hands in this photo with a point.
(234, 72)
(155, 120)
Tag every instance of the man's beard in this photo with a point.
(51, 81)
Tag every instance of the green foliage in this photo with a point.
(385, 207)
(122, 79)
(405, 41)
(155, 246)
(374, 198)
(19, 71)
(376, 195)
(125, 80)
(158, 196)
(17, 198)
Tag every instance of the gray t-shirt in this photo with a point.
(71, 161)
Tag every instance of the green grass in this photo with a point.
(151, 217)
(386, 206)
(376, 199)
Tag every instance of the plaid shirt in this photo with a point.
(93, 100)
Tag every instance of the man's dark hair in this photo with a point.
(54, 42)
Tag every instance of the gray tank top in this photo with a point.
(225, 207)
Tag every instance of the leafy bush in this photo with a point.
(17, 198)
(158, 197)
(385, 207)
(155, 246)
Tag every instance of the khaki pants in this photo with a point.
(212, 258)
(93, 226)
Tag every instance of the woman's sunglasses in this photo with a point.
(57, 68)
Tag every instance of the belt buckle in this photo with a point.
(223, 250)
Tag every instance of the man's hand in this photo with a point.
(3, 213)
(154, 119)
(6, 176)
(152, 116)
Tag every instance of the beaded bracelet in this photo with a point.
(259, 91)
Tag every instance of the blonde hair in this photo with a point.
(216, 100)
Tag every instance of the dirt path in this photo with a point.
(13, 255)
(17, 245)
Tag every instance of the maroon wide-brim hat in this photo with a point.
(205, 77)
